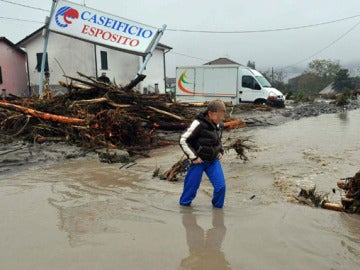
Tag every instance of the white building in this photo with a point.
(67, 56)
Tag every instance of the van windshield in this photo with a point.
(263, 81)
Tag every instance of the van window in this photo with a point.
(250, 82)
(263, 81)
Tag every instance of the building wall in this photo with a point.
(13, 69)
(122, 67)
(155, 72)
(68, 55)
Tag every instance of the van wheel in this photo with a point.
(259, 102)
(279, 104)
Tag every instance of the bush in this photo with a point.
(343, 98)
(302, 96)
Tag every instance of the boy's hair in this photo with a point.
(216, 106)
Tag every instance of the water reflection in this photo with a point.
(204, 246)
(352, 224)
(343, 116)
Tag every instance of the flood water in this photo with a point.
(83, 214)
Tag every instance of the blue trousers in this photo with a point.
(192, 182)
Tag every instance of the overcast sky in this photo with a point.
(319, 29)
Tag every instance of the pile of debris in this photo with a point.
(351, 188)
(350, 201)
(92, 114)
(182, 165)
(309, 196)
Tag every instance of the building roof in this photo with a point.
(222, 61)
(328, 89)
(12, 45)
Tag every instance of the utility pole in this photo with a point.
(46, 29)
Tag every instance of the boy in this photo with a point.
(201, 142)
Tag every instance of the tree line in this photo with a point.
(319, 74)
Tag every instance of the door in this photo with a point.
(250, 89)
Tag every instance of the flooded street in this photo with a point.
(83, 214)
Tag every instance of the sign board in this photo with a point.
(101, 28)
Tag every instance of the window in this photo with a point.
(38, 63)
(104, 60)
(263, 81)
(250, 82)
(1, 81)
(247, 81)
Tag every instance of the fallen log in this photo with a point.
(75, 85)
(178, 168)
(41, 139)
(89, 101)
(333, 206)
(93, 85)
(46, 116)
(88, 77)
(170, 126)
(166, 113)
(233, 124)
(133, 83)
(99, 100)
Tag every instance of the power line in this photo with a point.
(262, 30)
(223, 32)
(326, 47)
(226, 32)
(13, 3)
(23, 20)
(305, 59)
(189, 56)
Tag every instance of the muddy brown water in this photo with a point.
(83, 214)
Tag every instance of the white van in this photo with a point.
(230, 83)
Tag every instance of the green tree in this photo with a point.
(325, 69)
(308, 83)
(276, 77)
(251, 64)
(316, 77)
(342, 80)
